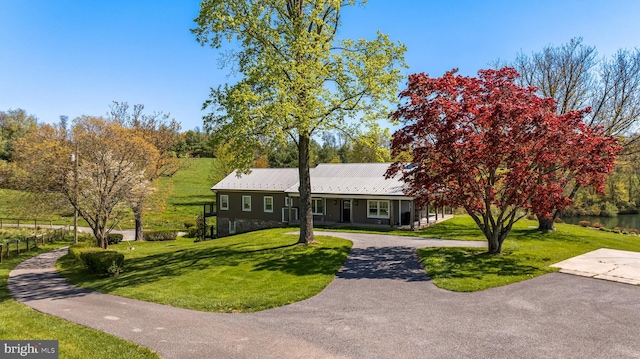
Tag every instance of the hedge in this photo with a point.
(114, 238)
(103, 262)
(165, 235)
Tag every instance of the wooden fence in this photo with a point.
(16, 222)
(15, 246)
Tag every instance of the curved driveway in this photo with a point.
(380, 305)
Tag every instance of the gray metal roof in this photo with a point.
(260, 179)
(353, 179)
(327, 178)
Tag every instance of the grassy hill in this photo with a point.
(178, 200)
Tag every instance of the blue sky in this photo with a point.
(73, 58)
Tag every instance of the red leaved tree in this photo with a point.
(494, 148)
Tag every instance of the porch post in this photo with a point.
(391, 202)
(324, 208)
(413, 213)
(350, 210)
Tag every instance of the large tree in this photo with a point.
(494, 148)
(576, 78)
(14, 124)
(161, 131)
(297, 78)
(106, 171)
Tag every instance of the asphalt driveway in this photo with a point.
(381, 305)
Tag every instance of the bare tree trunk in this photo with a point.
(306, 218)
(137, 213)
(545, 223)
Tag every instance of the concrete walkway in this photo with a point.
(604, 263)
(380, 305)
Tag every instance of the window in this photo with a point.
(246, 203)
(378, 209)
(317, 206)
(224, 201)
(232, 227)
(286, 201)
(268, 204)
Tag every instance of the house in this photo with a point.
(354, 194)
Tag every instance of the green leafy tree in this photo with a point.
(162, 132)
(296, 77)
(371, 146)
(14, 124)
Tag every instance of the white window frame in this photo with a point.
(265, 198)
(224, 199)
(232, 227)
(377, 204)
(244, 208)
(314, 206)
(286, 201)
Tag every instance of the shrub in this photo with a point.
(76, 251)
(114, 238)
(608, 210)
(103, 262)
(597, 225)
(164, 235)
(618, 229)
(585, 223)
(634, 230)
(558, 220)
(625, 207)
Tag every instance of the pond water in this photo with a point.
(622, 221)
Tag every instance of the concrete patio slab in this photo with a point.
(607, 264)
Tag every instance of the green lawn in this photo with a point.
(241, 273)
(19, 322)
(181, 198)
(527, 253)
(178, 200)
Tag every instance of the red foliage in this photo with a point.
(484, 142)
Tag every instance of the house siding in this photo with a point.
(247, 221)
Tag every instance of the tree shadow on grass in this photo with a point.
(472, 263)
(290, 258)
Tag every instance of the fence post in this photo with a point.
(0, 252)
(35, 223)
(50, 224)
(17, 247)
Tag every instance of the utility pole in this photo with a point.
(75, 195)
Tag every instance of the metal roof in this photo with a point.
(353, 179)
(260, 179)
(327, 178)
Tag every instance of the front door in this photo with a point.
(346, 211)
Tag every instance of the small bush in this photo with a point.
(558, 220)
(608, 210)
(585, 223)
(114, 238)
(77, 251)
(193, 232)
(617, 229)
(165, 235)
(103, 262)
(634, 230)
(597, 225)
